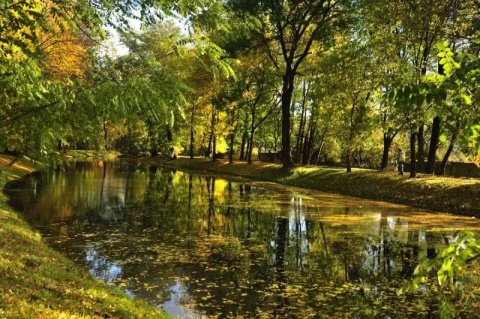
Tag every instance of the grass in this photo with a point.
(38, 282)
(443, 194)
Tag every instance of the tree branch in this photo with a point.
(31, 111)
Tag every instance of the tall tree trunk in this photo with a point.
(301, 128)
(276, 134)
(105, 133)
(252, 133)
(230, 151)
(307, 144)
(387, 143)
(211, 142)
(432, 151)
(287, 92)
(322, 142)
(192, 133)
(300, 137)
(443, 168)
(250, 148)
(308, 148)
(303, 156)
(242, 146)
(233, 134)
(413, 167)
(191, 142)
(421, 148)
(214, 148)
(350, 138)
(450, 149)
(208, 152)
(349, 160)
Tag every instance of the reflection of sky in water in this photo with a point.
(178, 305)
(298, 223)
(100, 267)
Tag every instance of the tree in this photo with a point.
(259, 94)
(289, 28)
(422, 24)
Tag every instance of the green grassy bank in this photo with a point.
(38, 282)
(444, 194)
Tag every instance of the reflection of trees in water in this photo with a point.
(238, 249)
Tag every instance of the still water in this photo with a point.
(200, 246)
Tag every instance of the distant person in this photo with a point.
(400, 160)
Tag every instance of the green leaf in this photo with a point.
(467, 99)
(443, 137)
(440, 46)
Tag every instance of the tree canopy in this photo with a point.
(320, 81)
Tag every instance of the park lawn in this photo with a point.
(38, 282)
(443, 194)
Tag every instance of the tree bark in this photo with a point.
(421, 148)
(211, 141)
(301, 138)
(450, 149)
(214, 148)
(287, 92)
(308, 145)
(413, 167)
(322, 142)
(387, 143)
(208, 152)
(105, 133)
(192, 135)
(349, 160)
(230, 151)
(350, 137)
(250, 148)
(215, 121)
(242, 146)
(432, 152)
(252, 133)
(447, 155)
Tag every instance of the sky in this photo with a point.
(113, 45)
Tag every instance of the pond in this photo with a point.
(200, 246)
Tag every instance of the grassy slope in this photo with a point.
(37, 282)
(444, 194)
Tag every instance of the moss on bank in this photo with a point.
(38, 282)
(443, 194)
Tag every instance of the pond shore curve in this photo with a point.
(39, 282)
(442, 194)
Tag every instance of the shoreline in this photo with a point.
(460, 196)
(39, 282)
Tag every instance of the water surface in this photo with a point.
(200, 246)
